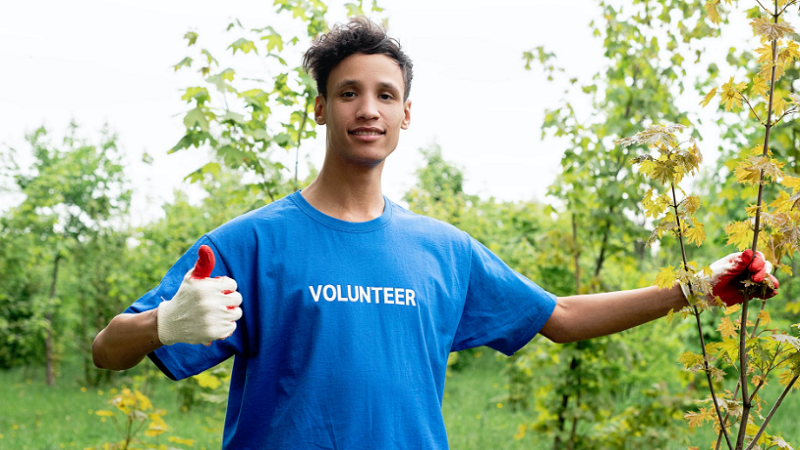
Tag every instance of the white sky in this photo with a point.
(111, 61)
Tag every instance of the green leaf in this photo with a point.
(191, 36)
(185, 62)
(245, 45)
(273, 41)
(196, 117)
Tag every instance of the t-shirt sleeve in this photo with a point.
(180, 361)
(503, 309)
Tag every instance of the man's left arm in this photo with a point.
(582, 317)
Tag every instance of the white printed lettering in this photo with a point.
(410, 294)
(315, 294)
(339, 293)
(387, 294)
(356, 294)
(331, 297)
(350, 297)
(364, 293)
(398, 296)
(377, 296)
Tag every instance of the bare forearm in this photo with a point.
(582, 317)
(126, 340)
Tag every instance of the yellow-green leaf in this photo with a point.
(665, 278)
(707, 99)
(727, 328)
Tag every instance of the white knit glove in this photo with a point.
(204, 309)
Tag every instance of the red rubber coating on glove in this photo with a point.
(205, 262)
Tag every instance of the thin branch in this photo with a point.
(699, 326)
(763, 7)
(793, 2)
(772, 411)
(751, 108)
(786, 113)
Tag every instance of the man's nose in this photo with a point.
(368, 109)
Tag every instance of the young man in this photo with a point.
(347, 304)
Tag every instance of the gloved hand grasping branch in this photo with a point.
(204, 309)
(730, 272)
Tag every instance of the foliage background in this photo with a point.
(625, 391)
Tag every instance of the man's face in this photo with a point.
(364, 109)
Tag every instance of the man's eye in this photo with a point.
(386, 97)
(348, 94)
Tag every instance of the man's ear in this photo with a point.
(406, 115)
(319, 110)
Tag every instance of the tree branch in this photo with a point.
(751, 108)
(699, 326)
(772, 411)
(743, 327)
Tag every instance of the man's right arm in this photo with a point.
(203, 310)
(126, 340)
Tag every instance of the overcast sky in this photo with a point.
(111, 61)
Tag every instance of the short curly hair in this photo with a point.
(359, 35)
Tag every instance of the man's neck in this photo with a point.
(347, 192)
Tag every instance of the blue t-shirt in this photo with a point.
(347, 327)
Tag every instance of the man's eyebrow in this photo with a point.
(382, 84)
(390, 86)
(345, 83)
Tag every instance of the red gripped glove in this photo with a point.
(204, 309)
(728, 274)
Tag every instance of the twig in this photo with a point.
(786, 113)
(751, 108)
(699, 326)
(772, 411)
(793, 2)
(763, 7)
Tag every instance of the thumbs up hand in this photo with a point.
(204, 309)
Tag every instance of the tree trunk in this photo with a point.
(48, 340)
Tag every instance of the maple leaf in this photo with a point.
(244, 45)
(790, 52)
(727, 328)
(697, 234)
(707, 99)
(689, 359)
(770, 31)
(764, 53)
(778, 105)
(764, 317)
(732, 309)
(759, 86)
(739, 234)
(785, 377)
(654, 135)
(747, 173)
(777, 440)
(766, 70)
(191, 36)
(785, 338)
(713, 14)
(691, 204)
(729, 96)
(665, 278)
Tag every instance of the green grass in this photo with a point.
(36, 417)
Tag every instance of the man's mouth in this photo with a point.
(366, 132)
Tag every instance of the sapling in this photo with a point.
(771, 228)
